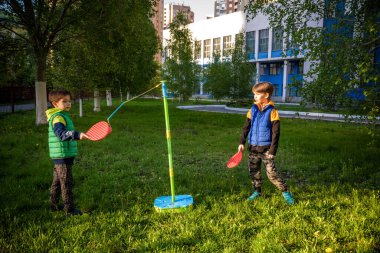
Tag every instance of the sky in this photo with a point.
(201, 8)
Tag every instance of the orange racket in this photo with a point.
(99, 131)
(235, 160)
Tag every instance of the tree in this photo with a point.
(342, 53)
(116, 38)
(232, 76)
(42, 25)
(180, 70)
(115, 51)
(241, 69)
(15, 64)
(218, 78)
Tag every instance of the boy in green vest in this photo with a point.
(62, 150)
(262, 127)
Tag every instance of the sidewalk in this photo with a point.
(22, 107)
(226, 109)
(283, 114)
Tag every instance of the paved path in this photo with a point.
(226, 109)
(24, 107)
(283, 114)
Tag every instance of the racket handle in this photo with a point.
(116, 110)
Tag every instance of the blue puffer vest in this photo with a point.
(261, 127)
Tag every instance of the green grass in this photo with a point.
(331, 170)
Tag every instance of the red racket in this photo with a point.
(99, 131)
(235, 160)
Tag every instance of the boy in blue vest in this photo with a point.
(62, 150)
(262, 128)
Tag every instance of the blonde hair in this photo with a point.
(263, 87)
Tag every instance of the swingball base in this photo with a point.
(182, 203)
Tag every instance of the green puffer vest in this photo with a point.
(58, 148)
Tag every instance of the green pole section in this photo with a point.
(168, 139)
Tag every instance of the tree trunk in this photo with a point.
(96, 101)
(109, 98)
(41, 102)
(80, 107)
(40, 90)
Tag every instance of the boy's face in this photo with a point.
(63, 104)
(261, 97)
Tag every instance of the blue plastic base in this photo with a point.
(182, 203)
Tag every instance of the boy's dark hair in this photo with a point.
(56, 95)
(263, 87)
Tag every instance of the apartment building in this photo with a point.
(158, 24)
(223, 7)
(172, 10)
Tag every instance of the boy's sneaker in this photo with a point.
(55, 208)
(288, 198)
(74, 212)
(254, 196)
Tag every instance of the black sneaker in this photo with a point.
(74, 212)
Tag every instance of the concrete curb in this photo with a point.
(284, 114)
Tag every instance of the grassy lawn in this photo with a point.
(333, 174)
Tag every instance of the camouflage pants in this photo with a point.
(62, 183)
(254, 167)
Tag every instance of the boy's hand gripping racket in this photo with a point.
(235, 160)
(99, 131)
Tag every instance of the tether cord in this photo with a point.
(108, 119)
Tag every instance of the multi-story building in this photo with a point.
(222, 7)
(267, 49)
(158, 24)
(171, 11)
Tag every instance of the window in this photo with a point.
(277, 39)
(263, 68)
(263, 40)
(274, 68)
(291, 68)
(290, 44)
(227, 45)
(276, 90)
(295, 67)
(216, 47)
(300, 68)
(197, 49)
(250, 42)
(206, 48)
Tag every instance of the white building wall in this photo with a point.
(236, 23)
